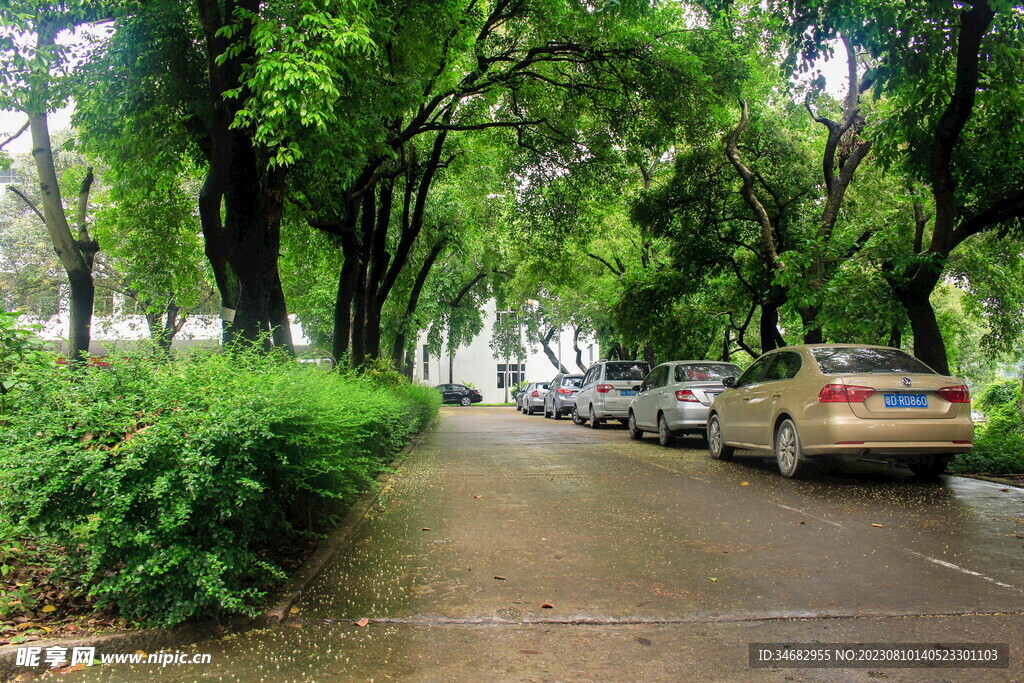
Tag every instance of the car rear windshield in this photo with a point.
(626, 371)
(855, 361)
(700, 372)
(575, 382)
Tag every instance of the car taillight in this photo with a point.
(603, 388)
(686, 395)
(841, 393)
(535, 394)
(563, 390)
(960, 394)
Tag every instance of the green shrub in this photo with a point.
(999, 441)
(170, 482)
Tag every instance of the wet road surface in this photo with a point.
(656, 562)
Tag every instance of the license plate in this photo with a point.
(905, 400)
(627, 392)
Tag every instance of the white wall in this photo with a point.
(476, 365)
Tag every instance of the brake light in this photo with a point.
(603, 388)
(563, 390)
(960, 394)
(841, 393)
(686, 395)
(535, 394)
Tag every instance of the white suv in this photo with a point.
(608, 390)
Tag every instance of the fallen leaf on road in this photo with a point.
(478, 496)
(362, 622)
(644, 642)
(877, 525)
(744, 483)
(293, 610)
(294, 625)
(500, 578)
(547, 605)
(713, 578)
(426, 528)
(803, 522)
(49, 608)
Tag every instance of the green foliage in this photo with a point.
(21, 352)
(170, 482)
(999, 441)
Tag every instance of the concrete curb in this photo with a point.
(150, 640)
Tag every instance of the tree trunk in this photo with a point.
(649, 354)
(76, 256)
(347, 282)
(545, 343)
(83, 294)
(812, 328)
(398, 349)
(281, 325)
(576, 347)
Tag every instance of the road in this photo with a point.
(656, 563)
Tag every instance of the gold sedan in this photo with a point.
(851, 402)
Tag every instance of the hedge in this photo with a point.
(168, 483)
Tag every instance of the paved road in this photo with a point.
(657, 563)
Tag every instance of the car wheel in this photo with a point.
(929, 467)
(594, 422)
(788, 451)
(576, 417)
(547, 415)
(556, 412)
(635, 432)
(465, 401)
(665, 437)
(716, 446)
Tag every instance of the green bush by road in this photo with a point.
(999, 441)
(168, 484)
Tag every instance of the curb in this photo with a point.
(149, 640)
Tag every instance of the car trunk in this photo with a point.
(894, 399)
(705, 392)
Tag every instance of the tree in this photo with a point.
(32, 73)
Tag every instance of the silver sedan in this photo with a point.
(675, 397)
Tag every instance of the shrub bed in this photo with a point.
(169, 484)
(999, 441)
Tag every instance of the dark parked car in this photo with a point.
(459, 393)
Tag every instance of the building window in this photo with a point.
(511, 374)
(426, 363)
(7, 176)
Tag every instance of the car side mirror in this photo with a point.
(636, 387)
(729, 382)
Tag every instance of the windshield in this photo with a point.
(701, 372)
(632, 370)
(856, 361)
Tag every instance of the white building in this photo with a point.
(475, 365)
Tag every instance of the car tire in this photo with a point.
(556, 413)
(635, 432)
(716, 446)
(465, 401)
(547, 415)
(577, 419)
(665, 437)
(788, 451)
(929, 468)
(594, 422)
